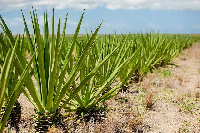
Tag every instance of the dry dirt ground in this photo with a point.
(176, 90)
(166, 101)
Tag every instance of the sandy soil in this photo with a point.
(166, 101)
(176, 87)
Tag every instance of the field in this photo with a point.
(53, 82)
(167, 100)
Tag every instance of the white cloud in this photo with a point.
(14, 24)
(115, 25)
(71, 22)
(196, 26)
(174, 26)
(154, 26)
(109, 4)
(13, 21)
(154, 4)
(118, 27)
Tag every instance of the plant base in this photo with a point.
(43, 121)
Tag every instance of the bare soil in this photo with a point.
(166, 101)
(177, 95)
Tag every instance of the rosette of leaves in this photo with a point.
(54, 68)
(10, 92)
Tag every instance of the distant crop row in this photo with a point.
(75, 73)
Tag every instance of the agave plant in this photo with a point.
(100, 87)
(8, 100)
(136, 54)
(54, 70)
(15, 115)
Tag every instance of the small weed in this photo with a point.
(140, 97)
(154, 71)
(123, 100)
(186, 104)
(167, 72)
(136, 90)
(188, 94)
(143, 90)
(183, 70)
(199, 71)
(186, 129)
(158, 83)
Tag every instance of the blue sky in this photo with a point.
(122, 16)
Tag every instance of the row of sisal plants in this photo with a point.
(137, 55)
(74, 73)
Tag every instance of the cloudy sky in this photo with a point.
(122, 16)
